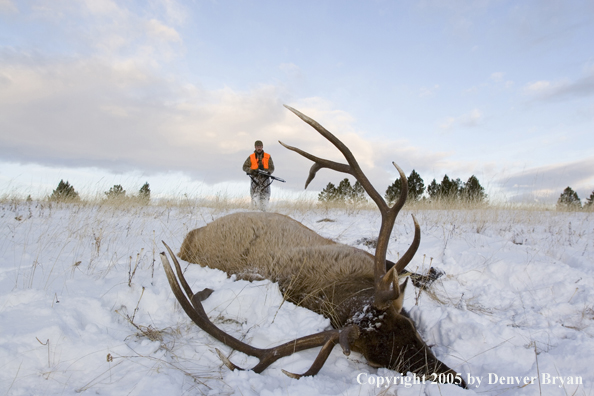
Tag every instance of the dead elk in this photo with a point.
(354, 289)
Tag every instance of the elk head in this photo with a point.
(373, 322)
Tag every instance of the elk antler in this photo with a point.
(192, 305)
(386, 284)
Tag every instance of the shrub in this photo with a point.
(64, 192)
(569, 200)
(344, 193)
(116, 192)
(328, 194)
(144, 194)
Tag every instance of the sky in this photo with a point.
(102, 92)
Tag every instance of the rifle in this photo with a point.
(260, 172)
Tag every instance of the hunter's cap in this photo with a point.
(258, 143)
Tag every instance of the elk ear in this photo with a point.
(400, 300)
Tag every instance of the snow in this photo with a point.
(516, 302)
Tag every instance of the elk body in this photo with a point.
(312, 271)
(357, 291)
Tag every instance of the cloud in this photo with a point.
(158, 30)
(561, 89)
(428, 92)
(468, 120)
(110, 107)
(497, 76)
(102, 7)
(124, 117)
(291, 70)
(8, 7)
(171, 10)
(113, 30)
(545, 183)
(499, 79)
(461, 16)
(92, 113)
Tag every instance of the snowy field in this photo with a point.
(85, 307)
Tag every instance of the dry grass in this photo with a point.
(223, 202)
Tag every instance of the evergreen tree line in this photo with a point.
(448, 190)
(569, 200)
(65, 192)
(344, 193)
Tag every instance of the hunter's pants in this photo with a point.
(260, 193)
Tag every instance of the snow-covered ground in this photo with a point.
(85, 306)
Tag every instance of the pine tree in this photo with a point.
(328, 194)
(434, 190)
(590, 202)
(116, 192)
(344, 190)
(393, 191)
(357, 194)
(450, 188)
(64, 192)
(472, 191)
(569, 200)
(416, 186)
(144, 194)
(344, 193)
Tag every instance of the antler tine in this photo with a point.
(403, 192)
(180, 274)
(346, 337)
(319, 163)
(410, 253)
(195, 311)
(319, 362)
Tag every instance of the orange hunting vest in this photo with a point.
(265, 159)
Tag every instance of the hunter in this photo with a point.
(257, 166)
